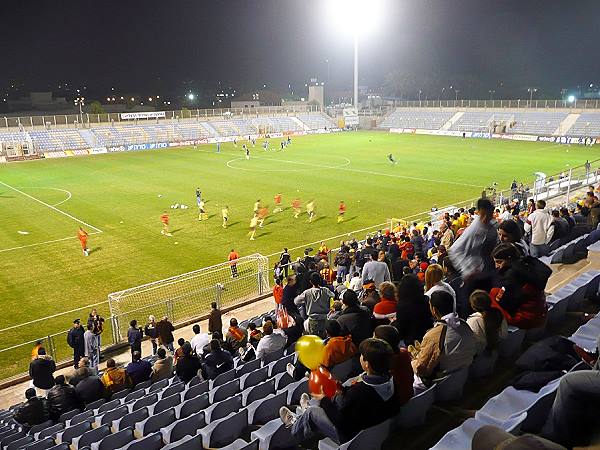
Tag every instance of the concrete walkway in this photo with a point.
(16, 394)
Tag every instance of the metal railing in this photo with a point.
(577, 104)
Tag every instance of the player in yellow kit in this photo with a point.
(225, 215)
(310, 210)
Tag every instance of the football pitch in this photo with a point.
(118, 198)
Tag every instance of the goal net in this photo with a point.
(183, 297)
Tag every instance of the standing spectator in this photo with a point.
(278, 291)
(447, 236)
(188, 365)
(150, 331)
(114, 378)
(354, 318)
(342, 262)
(417, 241)
(233, 257)
(560, 225)
(199, 341)
(400, 367)
(134, 337)
(385, 310)
(538, 225)
(33, 412)
(215, 323)
(488, 323)
(218, 361)
(270, 342)
(284, 261)
(163, 366)
(165, 329)
(35, 349)
(89, 388)
(139, 370)
(413, 317)
(41, 370)
(453, 278)
(62, 398)
(236, 337)
(91, 350)
(471, 254)
(316, 301)
(97, 323)
(290, 291)
(76, 342)
(377, 271)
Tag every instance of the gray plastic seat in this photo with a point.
(192, 406)
(511, 345)
(263, 410)
(50, 431)
(254, 377)
(414, 412)
(131, 419)
(483, 364)
(194, 381)
(224, 391)
(110, 416)
(183, 427)
(135, 395)
(247, 367)
(41, 444)
(282, 380)
(186, 443)
(20, 443)
(258, 391)
(151, 442)
(273, 356)
(175, 388)
(115, 441)
(370, 439)
(295, 390)
(81, 417)
(291, 349)
(273, 434)
(108, 406)
(223, 408)
(450, 387)
(74, 431)
(240, 444)
(196, 390)
(120, 395)
(144, 385)
(343, 371)
(148, 400)
(89, 437)
(225, 377)
(39, 427)
(61, 447)
(279, 366)
(64, 417)
(166, 403)
(224, 431)
(17, 434)
(158, 386)
(155, 422)
(95, 405)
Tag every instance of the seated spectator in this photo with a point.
(89, 388)
(453, 278)
(400, 367)
(199, 341)
(316, 301)
(270, 342)
(488, 323)
(188, 365)
(510, 233)
(235, 338)
(139, 370)
(41, 370)
(434, 281)
(33, 412)
(413, 317)
(449, 346)
(355, 319)
(179, 350)
(564, 213)
(560, 226)
(62, 398)
(356, 283)
(362, 402)
(370, 296)
(83, 371)
(385, 309)
(573, 419)
(114, 378)
(339, 346)
(163, 366)
(255, 334)
(218, 361)
(520, 296)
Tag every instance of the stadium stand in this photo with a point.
(13, 137)
(586, 125)
(427, 119)
(51, 140)
(316, 121)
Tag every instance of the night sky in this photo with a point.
(160, 45)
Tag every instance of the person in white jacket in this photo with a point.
(538, 225)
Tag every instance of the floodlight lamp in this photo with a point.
(356, 16)
(571, 98)
(191, 96)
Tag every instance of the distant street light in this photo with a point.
(531, 91)
(191, 97)
(492, 92)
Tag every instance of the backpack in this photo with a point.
(537, 272)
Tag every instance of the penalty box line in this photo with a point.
(54, 208)
(44, 242)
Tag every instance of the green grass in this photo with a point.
(119, 194)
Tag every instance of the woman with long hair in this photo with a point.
(488, 323)
(510, 233)
(434, 281)
(413, 317)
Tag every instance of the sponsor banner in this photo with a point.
(546, 139)
(516, 137)
(151, 146)
(2, 159)
(119, 148)
(443, 133)
(97, 150)
(59, 154)
(403, 130)
(77, 152)
(143, 115)
(479, 135)
(351, 117)
(568, 140)
(275, 135)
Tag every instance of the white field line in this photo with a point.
(44, 243)
(69, 195)
(54, 208)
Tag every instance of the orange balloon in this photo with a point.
(321, 378)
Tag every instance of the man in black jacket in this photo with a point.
(355, 319)
(41, 370)
(139, 370)
(218, 361)
(361, 403)
(89, 388)
(62, 398)
(76, 342)
(33, 412)
(188, 365)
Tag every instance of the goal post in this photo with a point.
(189, 295)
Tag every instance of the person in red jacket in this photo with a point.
(400, 366)
(385, 309)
